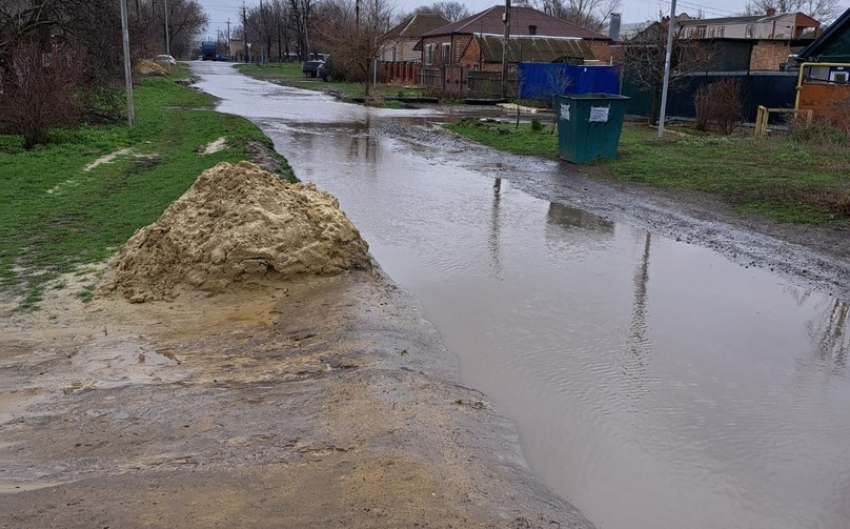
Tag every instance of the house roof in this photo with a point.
(833, 45)
(416, 26)
(527, 48)
(490, 22)
(745, 19)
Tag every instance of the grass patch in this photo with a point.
(781, 179)
(289, 74)
(57, 216)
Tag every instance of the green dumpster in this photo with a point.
(589, 125)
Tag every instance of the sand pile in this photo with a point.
(148, 67)
(237, 225)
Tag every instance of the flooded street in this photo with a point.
(655, 384)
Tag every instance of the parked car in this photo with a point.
(311, 68)
(328, 73)
(165, 59)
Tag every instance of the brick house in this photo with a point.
(746, 43)
(397, 44)
(475, 42)
(768, 39)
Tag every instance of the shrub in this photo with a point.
(719, 106)
(536, 125)
(43, 90)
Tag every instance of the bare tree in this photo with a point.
(591, 14)
(821, 10)
(301, 13)
(353, 30)
(452, 11)
(644, 57)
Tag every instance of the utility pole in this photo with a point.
(228, 34)
(506, 18)
(128, 72)
(167, 32)
(666, 85)
(245, 34)
(262, 35)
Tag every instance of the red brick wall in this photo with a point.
(604, 52)
(769, 55)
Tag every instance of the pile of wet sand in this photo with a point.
(237, 225)
(147, 67)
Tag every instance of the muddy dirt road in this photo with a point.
(665, 369)
(328, 405)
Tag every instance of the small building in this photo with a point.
(744, 43)
(825, 64)
(476, 41)
(399, 43)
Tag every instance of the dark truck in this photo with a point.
(208, 50)
(311, 68)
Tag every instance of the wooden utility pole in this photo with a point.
(128, 70)
(246, 56)
(506, 18)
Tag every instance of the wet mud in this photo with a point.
(332, 406)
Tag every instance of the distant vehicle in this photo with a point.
(311, 68)
(208, 50)
(165, 59)
(327, 73)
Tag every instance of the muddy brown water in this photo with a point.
(655, 384)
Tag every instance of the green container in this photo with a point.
(589, 125)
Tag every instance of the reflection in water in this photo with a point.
(638, 346)
(571, 217)
(830, 332)
(493, 242)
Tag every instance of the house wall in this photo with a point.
(403, 50)
(818, 96)
(606, 53)
(779, 28)
(768, 55)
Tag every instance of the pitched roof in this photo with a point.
(490, 22)
(833, 45)
(416, 26)
(527, 48)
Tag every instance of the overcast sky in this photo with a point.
(633, 10)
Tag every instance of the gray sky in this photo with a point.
(633, 10)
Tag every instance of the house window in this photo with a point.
(701, 32)
(429, 54)
(721, 31)
(394, 54)
(751, 28)
(711, 31)
(447, 51)
(532, 30)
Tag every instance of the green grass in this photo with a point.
(57, 216)
(805, 182)
(290, 74)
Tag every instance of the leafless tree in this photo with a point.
(644, 57)
(301, 13)
(822, 10)
(452, 11)
(591, 14)
(353, 30)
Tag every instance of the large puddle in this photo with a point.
(656, 385)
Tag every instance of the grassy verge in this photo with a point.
(785, 179)
(58, 216)
(290, 74)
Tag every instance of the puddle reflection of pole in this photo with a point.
(493, 242)
(634, 362)
(834, 343)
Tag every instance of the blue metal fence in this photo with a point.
(542, 81)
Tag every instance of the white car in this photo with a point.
(165, 59)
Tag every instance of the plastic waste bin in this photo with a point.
(589, 125)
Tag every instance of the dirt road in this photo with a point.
(330, 403)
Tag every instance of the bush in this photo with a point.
(719, 106)
(43, 90)
(536, 125)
